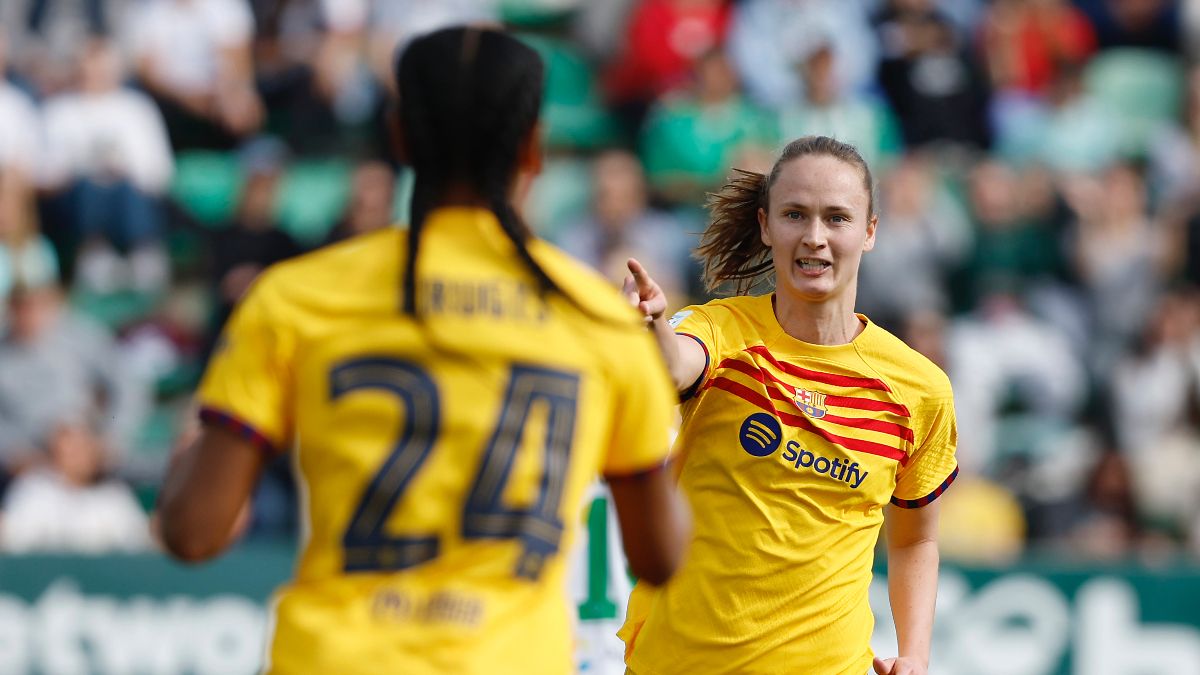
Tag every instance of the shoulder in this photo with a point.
(342, 260)
(333, 277)
(740, 309)
(918, 379)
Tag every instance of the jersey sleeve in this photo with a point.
(932, 467)
(696, 323)
(247, 387)
(643, 410)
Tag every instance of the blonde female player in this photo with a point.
(805, 428)
(445, 412)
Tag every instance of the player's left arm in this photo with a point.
(912, 585)
(910, 524)
(246, 413)
(206, 493)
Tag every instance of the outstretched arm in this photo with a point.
(912, 586)
(685, 358)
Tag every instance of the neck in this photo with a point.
(819, 323)
(457, 194)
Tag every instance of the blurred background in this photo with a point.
(1038, 170)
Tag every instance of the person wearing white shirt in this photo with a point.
(193, 56)
(20, 128)
(66, 506)
(108, 156)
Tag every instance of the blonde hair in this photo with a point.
(731, 247)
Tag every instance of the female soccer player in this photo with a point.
(804, 425)
(446, 395)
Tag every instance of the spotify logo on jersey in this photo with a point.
(760, 434)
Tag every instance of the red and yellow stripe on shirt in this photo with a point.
(790, 451)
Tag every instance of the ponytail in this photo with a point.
(731, 247)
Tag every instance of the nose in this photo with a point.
(812, 235)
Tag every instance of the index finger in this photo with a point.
(640, 275)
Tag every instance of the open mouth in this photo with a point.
(813, 265)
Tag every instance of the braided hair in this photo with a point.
(469, 96)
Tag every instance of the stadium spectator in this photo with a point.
(371, 203)
(20, 123)
(287, 54)
(380, 27)
(831, 109)
(1174, 156)
(1014, 243)
(770, 39)
(1004, 360)
(194, 58)
(932, 81)
(1103, 524)
(55, 364)
(1025, 42)
(68, 504)
(253, 241)
(1068, 130)
(1149, 24)
(926, 238)
(108, 157)
(621, 224)
(664, 43)
(1155, 410)
(690, 140)
(1120, 254)
(47, 35)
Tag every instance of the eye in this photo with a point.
(792, 215)
(838, 218)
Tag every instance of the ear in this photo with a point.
(529, 152)
(870, 242)
(763, 232)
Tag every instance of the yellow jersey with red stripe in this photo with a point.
(788, 453)
(442, 463)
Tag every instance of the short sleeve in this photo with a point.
(696, 323)
(643, 410)
(932, 467)
(247, 387)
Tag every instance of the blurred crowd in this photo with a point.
(1038, 172)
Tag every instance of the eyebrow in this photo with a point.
(828, 209)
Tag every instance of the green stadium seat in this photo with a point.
(1142, 88)
(116, 309)
(312, 195)
(560, 194)
(573, 115)
(403, 196)
(536, 12)
(206, 186)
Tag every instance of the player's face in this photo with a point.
(818, 227)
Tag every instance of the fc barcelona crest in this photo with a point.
(811, 403)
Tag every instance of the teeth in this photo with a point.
(813, 264)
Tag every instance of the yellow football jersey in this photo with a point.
(789, 452)
(442, 464)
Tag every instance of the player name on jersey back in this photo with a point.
(504, 299)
